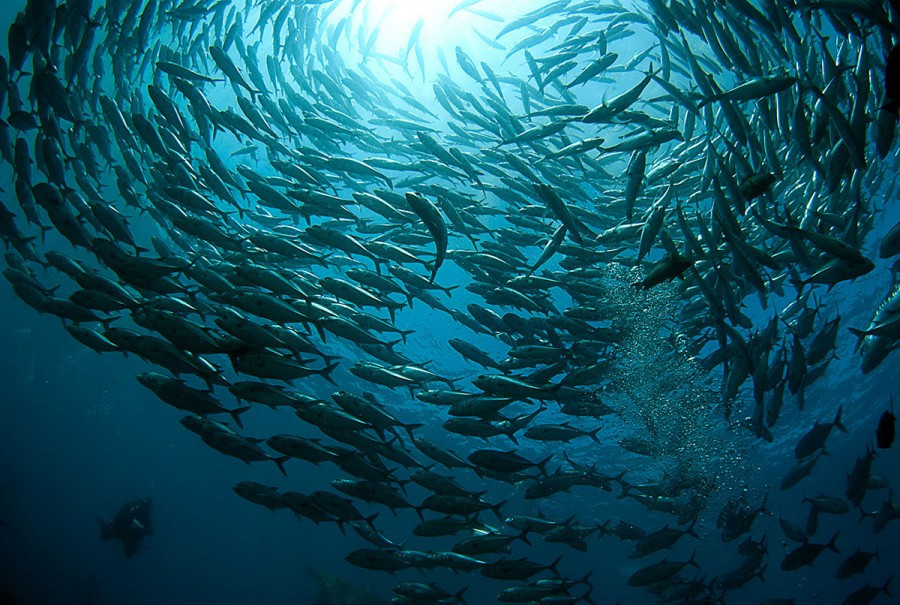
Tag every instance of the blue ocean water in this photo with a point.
(79, 437)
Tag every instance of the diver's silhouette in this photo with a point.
(130, 525)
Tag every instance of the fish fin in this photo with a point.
(586, 579)
(370, 520)
(524, 537)
(108, 320)
(837, 420)
(587, 596)
(280, 463)
(693, 559)
(860, 337)
(411, 427)
(552, 566)
(327, 370)
(831, 543)
(543, 463)
(458, 597)
(798, 284)
(690, 530)
(236, 415)
(496, 508)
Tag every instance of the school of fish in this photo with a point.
(254, 200)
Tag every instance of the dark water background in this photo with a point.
(79, 436)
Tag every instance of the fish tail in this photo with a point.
(524, 537)
(279, 462)
(860, 337)
(587, 596)
(458, 597)
(411, 427)
(837, 419)
(326, 372)
(496, 508)
(832, 543)
(552, 566)
(370, 520)
(543, 464)
(236, 415)
(693, 559)
(690, 530)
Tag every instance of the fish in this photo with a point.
(260, 494)
(657, 540)
(855, 563)
(800, 471)
(884, 432)
(177, 394)
(436, 225)
(178, 71)
(807, 553)
(516, 569)
(659, 572)
(380, 560)
(641, 217)
(737, 518)
(505, 462)
(753, 89)
(815, 438)
(667, 268)
(230, 69)
(488, 543)
(866, 593)
(428, 592)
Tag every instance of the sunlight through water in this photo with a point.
(396, 30)
(399, 17)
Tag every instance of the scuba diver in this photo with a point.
(131, 525)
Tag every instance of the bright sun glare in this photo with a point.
(399, 17)
(397, 20)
